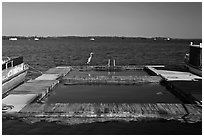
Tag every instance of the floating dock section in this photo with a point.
(174, 75)
(33, 89)
(185, 85)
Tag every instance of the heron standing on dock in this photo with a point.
(90, 57)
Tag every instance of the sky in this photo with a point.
(131, 19)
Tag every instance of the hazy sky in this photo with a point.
(177, 20)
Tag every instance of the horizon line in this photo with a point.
(96, 36)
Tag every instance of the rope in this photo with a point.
(6, 107)
(35, 69)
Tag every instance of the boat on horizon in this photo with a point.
(13, 39)
(193, 59)
(36, 39)
(14, 71)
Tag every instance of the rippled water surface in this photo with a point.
(47, 53)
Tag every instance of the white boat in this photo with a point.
(14, 71)
(36, 39)
(13, 39)
(92, 39)
(193, 59)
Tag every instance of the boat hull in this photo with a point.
(15, 81)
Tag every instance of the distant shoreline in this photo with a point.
(120, 37)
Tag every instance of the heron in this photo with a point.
(90, 57)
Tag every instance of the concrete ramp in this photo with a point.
(18, 101)
(62, 71)
(33, 89)
(48, 77)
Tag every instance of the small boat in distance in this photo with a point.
(36, 39)
(13, 39)
(14, 71)
(193, 59)
(92, 39)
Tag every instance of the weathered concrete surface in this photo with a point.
(18, 101)
(35, 86)
(48, 77)
(62, 71)
(174, 75)
(33, 89)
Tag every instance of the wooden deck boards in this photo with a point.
(106, 111)
(134, 108)
(111, 80)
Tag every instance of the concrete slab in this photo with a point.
(43, 82)
(155, 66)
(180, 77)
(59, 70)
(175, 75)
(30, 86)
(18, 101)
(48, 77)
(64, 67)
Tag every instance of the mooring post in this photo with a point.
(114, 62)
(109, 63)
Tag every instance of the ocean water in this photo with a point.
(47, 53)
(52, 52)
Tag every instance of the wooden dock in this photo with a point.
(105, 68)
(21, 102)
(76, 113)
(113, 80)
(78, 78)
